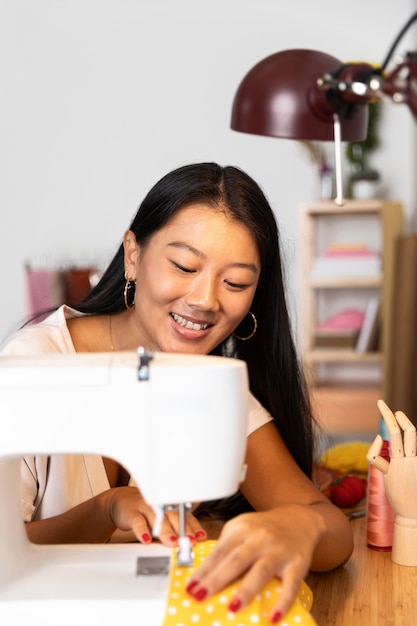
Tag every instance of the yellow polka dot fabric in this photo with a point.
(183, 610)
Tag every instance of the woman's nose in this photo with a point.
(203, 294)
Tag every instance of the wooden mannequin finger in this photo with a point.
(373, 455)
(393, 429)
(409, 433)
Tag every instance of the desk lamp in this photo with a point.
(306, 94)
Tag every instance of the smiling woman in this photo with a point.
(200, 259)
(196, 276)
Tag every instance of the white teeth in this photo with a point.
(187, 324)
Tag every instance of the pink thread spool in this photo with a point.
(380, 516)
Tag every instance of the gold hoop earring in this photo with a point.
(255, 326)
(128, 286)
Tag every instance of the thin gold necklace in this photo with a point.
(111, 335)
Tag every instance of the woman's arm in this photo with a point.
(88, 522)
(274, 479)
(294, 528)
(96, 519)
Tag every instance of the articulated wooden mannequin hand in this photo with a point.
(400, 480)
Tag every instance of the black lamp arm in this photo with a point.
(397, 40)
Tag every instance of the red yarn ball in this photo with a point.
(348, 491)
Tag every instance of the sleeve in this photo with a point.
(33, 341)
(34, 474)
(258, 416)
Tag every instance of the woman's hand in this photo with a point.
(256, 547)
(96, 520)
(128, 510)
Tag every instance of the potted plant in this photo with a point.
(364, 180)
(318, 155)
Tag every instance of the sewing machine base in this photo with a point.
(93, 584)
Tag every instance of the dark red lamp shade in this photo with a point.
(279, 97)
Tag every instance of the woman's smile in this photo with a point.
(188, 324)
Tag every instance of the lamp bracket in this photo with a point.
(350, 87)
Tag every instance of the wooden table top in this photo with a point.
(370, 590)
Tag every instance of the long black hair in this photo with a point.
(275, 375)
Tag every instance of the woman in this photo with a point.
(199, 271)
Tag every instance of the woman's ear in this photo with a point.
(131, 250)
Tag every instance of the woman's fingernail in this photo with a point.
(201, 594)
(235, 605)
(276, 617)
(146, 538)
(191, 538)
(191, 585)
(200, 534)
(173, 538)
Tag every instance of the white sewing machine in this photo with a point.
(176, 422)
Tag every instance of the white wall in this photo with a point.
(99, 98)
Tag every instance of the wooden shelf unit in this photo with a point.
(364, 216)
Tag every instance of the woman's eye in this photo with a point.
(236, 285)
(182, 268)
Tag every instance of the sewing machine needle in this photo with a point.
(184, 550)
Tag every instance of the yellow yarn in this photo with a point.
(183, 610)
(347, 457)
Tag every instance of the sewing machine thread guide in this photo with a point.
(145, 357)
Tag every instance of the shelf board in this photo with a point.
(329, 207)
(357, 386)
(332, 282)
(341, 355)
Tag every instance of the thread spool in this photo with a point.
(380, 516)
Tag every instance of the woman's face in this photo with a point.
(195, 281)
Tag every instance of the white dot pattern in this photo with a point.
(183, 610)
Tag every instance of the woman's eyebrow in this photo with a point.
(182, 244)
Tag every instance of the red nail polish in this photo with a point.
(235, 605)
(276, 617)
(200, 534)
(191, 585)
(173, 538)
(146, 538)
(201, 594)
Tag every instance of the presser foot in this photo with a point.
(185, 555)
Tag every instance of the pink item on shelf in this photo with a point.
(348, 319)
(349, 252)
(44, 289)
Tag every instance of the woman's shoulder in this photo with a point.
(48, 336)
(257, 414)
